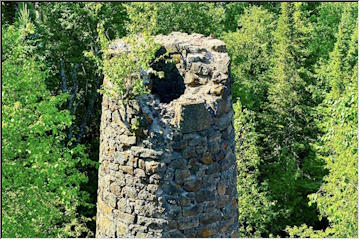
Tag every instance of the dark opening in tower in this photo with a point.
(171, 86)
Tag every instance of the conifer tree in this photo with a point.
(256, 212)
(249, 48)
(288, 129)
(250, 52)
(337, 199)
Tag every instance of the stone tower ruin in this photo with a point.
(174, 173)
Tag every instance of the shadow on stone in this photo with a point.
(171, 86)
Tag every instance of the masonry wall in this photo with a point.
(174, 174)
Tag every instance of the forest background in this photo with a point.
(294, 79)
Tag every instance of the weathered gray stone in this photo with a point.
(172, 224)
(216, 45)
(209, 206)
(207, 158)
(144, 195)
(219, 155)
(187, 223)
(145, 152)
(151, 167)
(191, 80)
(225, 120)
(192, 116)
(121, 158)
(191, 210)
(121, 229)
(139, 172)
(115, 188)
(205, 195)
(206, 232)
(213, 168)
(181, 175)
(179, 163)
(172, 211)
(155, 179)
(189, 152)
(178, 145)
(174, 234)
(154, 222)
(184, 200)
(174, 175)
(123, 217)
(195, 141)
(129, 192)
(113, 166)
(152, 188)
(169, 188)
(110, 199)
(195, 57)
(146, 210)
(223, 200)
(192, 184)
(127, 169)
(127, 140)
(123, 205)
(208, 218)
(190, 136)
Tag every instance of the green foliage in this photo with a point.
(66, 30)
(8, 12)
(190, 17)
(294, 81)
(124, 70)
(40, 181)
(288, 129)
(233, 11)
(332, 74)
(337, 199)
(338, 196)
(305, 231)
(325, 20)
(249, 49)
(256, 212)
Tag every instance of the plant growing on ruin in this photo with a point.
(127, 71)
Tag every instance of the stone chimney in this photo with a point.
(167, 159)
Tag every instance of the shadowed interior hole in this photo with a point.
(171, 86)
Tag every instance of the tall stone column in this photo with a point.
(167, 159)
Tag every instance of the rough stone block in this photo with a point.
(121, 229)
(191, 210)
(192, 184)
(207, 158)
(174, 234)
(188, 223)
(207, 232)
(212, 217)
(192, 116)
(205, 195)
(107, 226)
(127, 140)
(181, 175)
(123, 217)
